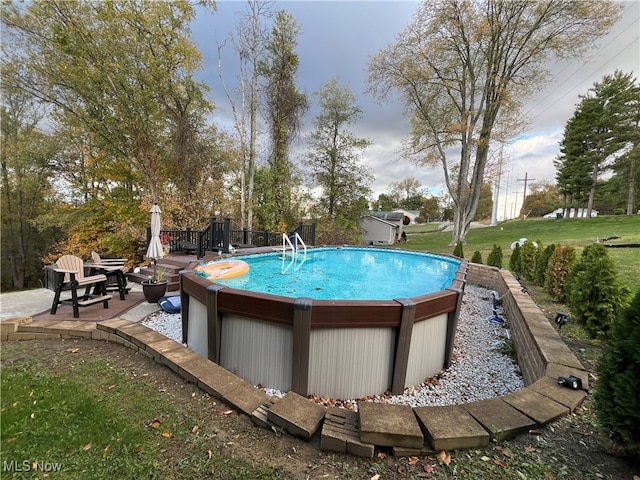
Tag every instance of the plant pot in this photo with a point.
(154, 291)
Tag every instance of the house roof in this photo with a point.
(389, 216)
(381, 220)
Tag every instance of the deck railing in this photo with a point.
(218, 237)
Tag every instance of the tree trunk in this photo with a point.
(632, 178)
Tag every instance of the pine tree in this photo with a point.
(560, 264)
(495, 257)
(594, 294)
(617, 393)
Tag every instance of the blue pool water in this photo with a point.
(343, 273)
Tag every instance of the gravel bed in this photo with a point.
(478, 370)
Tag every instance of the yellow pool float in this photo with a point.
(224, 269)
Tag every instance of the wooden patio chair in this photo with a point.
(114, 269)
(70, 276)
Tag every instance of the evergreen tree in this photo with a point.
(543, 264)
(495, 257)
(476, 257)
(560, 264)
(603, 127)
(457, 250)
(617, 393)
(594, 294)
(514, 261)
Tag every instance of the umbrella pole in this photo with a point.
(155, 273)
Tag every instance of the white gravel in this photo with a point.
(478, 370)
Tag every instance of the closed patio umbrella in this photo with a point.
(155, 250)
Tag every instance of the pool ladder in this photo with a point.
(294, 249)
(293, 246)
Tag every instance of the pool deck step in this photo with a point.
(402, 429)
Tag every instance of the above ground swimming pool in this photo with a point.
(339, 322)
(344, 273)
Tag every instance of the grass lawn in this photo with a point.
(578, 232)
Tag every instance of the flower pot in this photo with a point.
(154, 291)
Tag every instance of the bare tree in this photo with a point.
(249, 42)
(464, 67)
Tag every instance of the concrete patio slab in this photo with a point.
(549, 387)
(298, 415)
(499, 418)
(536, 406)
(389, 425)
(451, 428)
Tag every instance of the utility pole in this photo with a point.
(524, 198)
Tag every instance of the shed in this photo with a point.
(378, 230)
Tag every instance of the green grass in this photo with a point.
(91, 421)
(576, 232)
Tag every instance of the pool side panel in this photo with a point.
(350, 362)
(259, 352)
(427, 351)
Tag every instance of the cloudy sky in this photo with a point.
(337, 40)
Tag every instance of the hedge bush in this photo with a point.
(477, 257)
(560, 264)
(457, 250)
(617, 394)
(594, 294)
(543, 264)
(495, 257)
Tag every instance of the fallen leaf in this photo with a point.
(529, 449)
(86, 447)
(225, 412)
(209, 454)
(167, 434)
(413, 460)
(535, 432)
(375, 477)
(580, 412)
(194, 429)
(112, 386)
(636, 477)
(500, 463)
(73, 350)
(382, 455)
(428, 468)
(155, 423)
(484, 458)
(444, 458)
(507, 453)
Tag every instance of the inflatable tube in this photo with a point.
(223, 269)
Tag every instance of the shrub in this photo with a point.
(495, 257)
(338, 231)
(594, 294)
(560, 264)
(528, 260)
(457, 250)
(477, 257)
(543, 264)
(617, 394)
(514, 261)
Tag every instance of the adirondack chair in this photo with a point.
(114, 269)
(70, 276)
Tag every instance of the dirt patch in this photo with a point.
(569, 448)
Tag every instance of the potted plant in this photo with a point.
(156, 286)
